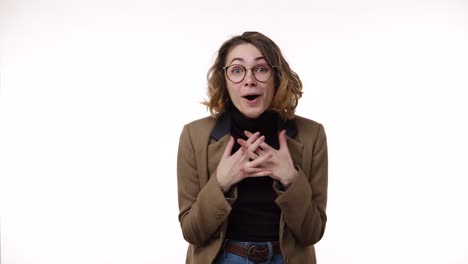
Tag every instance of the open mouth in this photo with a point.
(251, 97)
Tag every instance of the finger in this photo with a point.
(252, 136)
(282, 139)
(249, 141)
(243, 143)
(261, 174)
(265, 147)
(259, 151)
(250, 154)
(255, 172)
(256, 144)
(248, 133)
(257, 162)
(244, 157)
(228, 149)
(253, 147)
(240, 155)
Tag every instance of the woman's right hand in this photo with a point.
(236, 167)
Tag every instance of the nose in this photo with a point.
(249, 79)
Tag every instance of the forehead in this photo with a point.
(246, 52)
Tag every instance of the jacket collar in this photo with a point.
(223, 127)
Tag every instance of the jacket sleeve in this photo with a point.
(303, 203)
(202, 209)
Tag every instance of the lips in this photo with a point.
(251, 97)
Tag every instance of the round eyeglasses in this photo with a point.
(236, 72)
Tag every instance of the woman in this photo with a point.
(252, 178)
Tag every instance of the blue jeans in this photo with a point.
(230, 258)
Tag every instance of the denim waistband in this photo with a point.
(272, 252)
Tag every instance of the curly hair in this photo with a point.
(288, 86)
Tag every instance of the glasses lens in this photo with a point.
(262, 72)
(235, 73)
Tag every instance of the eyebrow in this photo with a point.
(242, 60)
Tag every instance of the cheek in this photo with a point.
(229, 89)
(271, 92)
(233, 92)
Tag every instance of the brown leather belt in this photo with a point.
(254, 253)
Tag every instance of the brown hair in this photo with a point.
(288, 86)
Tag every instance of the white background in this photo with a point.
(94, 94)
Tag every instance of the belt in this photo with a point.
(254, 253)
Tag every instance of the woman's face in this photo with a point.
(250, 96)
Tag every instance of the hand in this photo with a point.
(234, 168)
(280, 162)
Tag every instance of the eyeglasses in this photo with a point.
(236, 72)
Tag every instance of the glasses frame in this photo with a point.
(245, 72)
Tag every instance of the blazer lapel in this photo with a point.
(295, 149)
(215, 152)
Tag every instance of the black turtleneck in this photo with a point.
(255, 216)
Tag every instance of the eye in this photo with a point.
(262, 68)
(236, 70)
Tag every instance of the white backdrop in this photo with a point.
(94, 94)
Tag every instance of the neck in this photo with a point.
(266, 124)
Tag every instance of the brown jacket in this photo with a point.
(204, 209)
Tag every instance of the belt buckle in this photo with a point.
(254, 259)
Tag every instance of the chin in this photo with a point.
(252, 113)
(252, 116)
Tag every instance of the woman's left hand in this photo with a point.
(280, 163)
